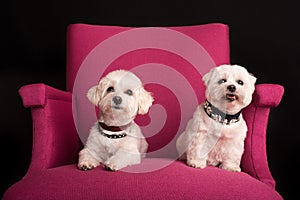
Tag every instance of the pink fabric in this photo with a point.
(254, 160)
(38, 94)
(83, 38)
(55, 139)
(275, 93)
(177, 181)
(56, 143)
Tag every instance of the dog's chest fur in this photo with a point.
(221, 138)
(106, 147)
(216, 129)
(109, 144)
(103, 145)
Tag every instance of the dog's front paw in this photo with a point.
(87, 165)
(109, 166)
(86, 160)
(197, 163)
(232, 168)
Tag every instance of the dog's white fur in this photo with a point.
(116, 153)
(208, 142)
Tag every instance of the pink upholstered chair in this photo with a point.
(170, 62)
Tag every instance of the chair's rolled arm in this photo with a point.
(268, 95)
(255, 160)
(55, 139)
(37, 94)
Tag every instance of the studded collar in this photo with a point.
(121, 134)
(219, 115)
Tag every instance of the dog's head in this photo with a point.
(229, 87)
(120, 96)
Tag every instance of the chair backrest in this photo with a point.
(170, 61)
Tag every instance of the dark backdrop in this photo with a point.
(264, 37)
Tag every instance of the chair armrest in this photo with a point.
(256, 115)
(268, 95)
(37, 95)
(55, 139)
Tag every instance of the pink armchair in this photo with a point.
(170, 61)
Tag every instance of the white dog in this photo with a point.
(216, 133)
(116, 140)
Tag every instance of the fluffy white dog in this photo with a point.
(216, 133)
(116, 140)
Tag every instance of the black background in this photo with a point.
(264, 37)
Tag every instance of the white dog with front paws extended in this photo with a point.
(216, 133)
(116, 140)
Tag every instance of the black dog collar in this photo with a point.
(102, 126)
(220, 116)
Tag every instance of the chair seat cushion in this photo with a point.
(174, 181)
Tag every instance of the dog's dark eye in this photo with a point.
(129, 92)
(222, 81)
(240, 82)
(110, 89)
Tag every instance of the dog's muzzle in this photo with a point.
(231, 96)
(231, 88)
(117, 100)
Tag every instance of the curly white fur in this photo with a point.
(120, 96)
(209, 142)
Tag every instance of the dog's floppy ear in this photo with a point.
(252, 78)
(96, 93)
(93, 95)
(206, 78)
(145, 100)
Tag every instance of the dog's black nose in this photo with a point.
(231, 88)
(117, 100)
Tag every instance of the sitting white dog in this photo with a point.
(116, 140)
(216, 133)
